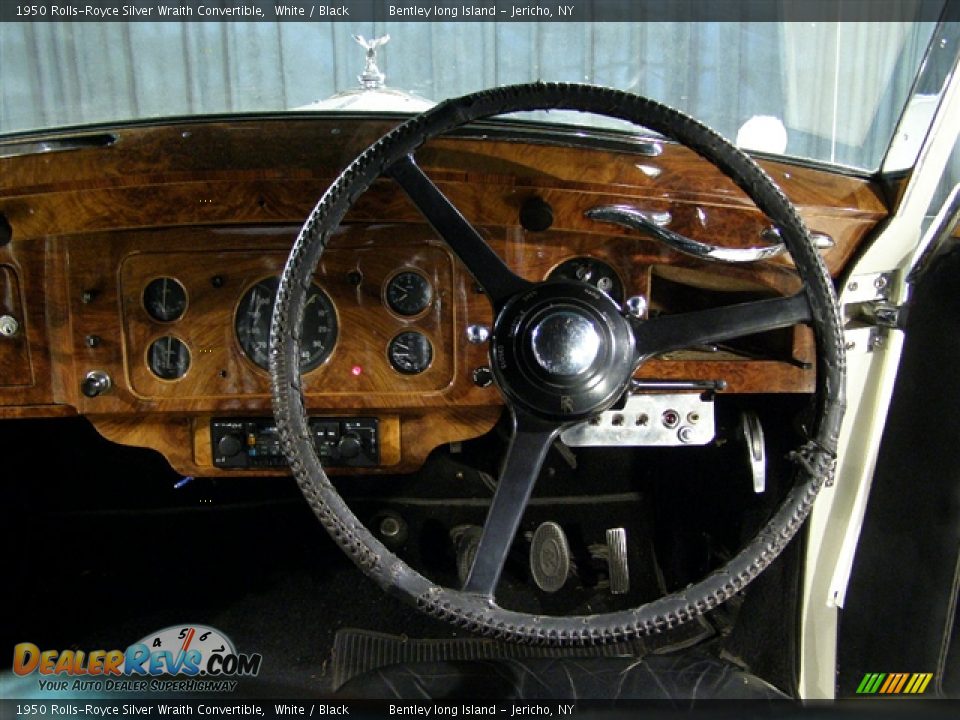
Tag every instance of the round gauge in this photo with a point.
(185, 638)
(252, 324)
(168, 358)
(409, 293)
(410, 353)
(164, 299)
(592, 271)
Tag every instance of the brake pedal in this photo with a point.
(549, 557)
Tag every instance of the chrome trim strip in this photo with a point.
(55, 144)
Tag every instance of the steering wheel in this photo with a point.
(560, 351)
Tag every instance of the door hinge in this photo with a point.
(868, 312)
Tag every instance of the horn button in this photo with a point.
(562, 351)
(565, 342)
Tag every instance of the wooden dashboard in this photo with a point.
(216, 205)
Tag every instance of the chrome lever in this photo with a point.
(821, 240)
(634, 219)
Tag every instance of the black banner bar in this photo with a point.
(687, 709)
(357, 11)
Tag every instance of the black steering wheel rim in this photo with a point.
(815, 459)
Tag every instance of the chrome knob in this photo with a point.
(96, 382)
(636, 306)
(9, 326)
(477, 334)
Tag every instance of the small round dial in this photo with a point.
(165, 299)
(255, 311)
(592, 271)
(410, 353)
(409, 293)
(168, 358)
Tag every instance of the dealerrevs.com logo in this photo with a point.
(180, 658)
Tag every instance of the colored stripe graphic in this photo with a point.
(900, 682)
(891, 679)
(894, 683)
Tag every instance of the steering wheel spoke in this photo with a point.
(496, 279)
(665, 333)
(528, 448)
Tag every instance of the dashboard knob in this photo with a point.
(229, 445)
(536, 214)
(349, 447)
(9, 326)
(95, 383)
(482, 376)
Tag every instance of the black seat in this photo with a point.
(689, 676)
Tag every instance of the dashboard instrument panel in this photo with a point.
(153, 262)
(226, 330)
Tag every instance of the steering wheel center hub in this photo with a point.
(562, 350)
(565, 343)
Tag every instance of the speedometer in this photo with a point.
(252, 324)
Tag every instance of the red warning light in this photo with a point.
(356, 371)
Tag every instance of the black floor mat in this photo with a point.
(109, 545)
(356, 652)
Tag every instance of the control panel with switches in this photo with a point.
(254, 443)
(647, 420)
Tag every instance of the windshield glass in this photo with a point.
(825, 91)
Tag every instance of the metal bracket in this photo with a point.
(868, 312)
(864, 288)
(863, 339)
(646, 420)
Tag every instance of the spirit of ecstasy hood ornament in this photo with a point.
(371, 77)
(372, 95)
